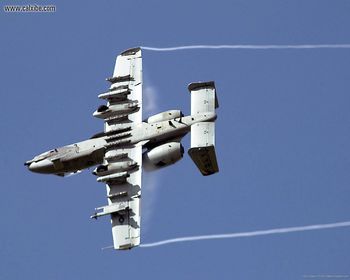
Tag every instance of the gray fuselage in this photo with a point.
(84, 154)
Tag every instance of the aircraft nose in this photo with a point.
(42, 166)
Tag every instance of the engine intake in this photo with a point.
(163, 155)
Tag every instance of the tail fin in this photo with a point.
(202, 151)
(203, 97)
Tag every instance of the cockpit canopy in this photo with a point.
(46, 154)
(52, 153)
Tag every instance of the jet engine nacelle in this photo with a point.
(162, 155)
(165, 116)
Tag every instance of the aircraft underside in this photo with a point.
(128, 145)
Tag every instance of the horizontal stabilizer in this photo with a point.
(202, 152)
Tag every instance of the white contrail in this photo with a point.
(150, 181)
(247, 234)
(150, 103)
(249, 47)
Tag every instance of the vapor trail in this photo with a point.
(247, 234)
(249, 47)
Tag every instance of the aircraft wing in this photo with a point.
(122, 162)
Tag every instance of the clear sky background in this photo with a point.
(283, 134)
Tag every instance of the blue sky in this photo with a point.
(282, 138)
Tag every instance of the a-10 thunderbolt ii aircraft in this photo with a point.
(128, 144)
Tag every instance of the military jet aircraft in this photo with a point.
(129, 144)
